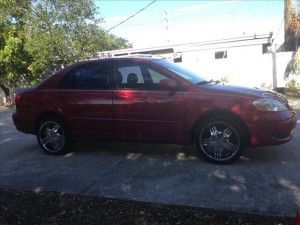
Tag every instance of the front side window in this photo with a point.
(131, 75)
(90, 76)
(181, 71)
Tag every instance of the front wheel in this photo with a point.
(220, 140)
(53, 136)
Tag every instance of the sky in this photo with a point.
(167, 22)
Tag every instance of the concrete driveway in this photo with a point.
(265, 180)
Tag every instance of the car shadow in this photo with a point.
(281, 154)
(125, 148)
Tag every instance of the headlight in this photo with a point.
(269, 104)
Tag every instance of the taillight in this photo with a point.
(17, 98)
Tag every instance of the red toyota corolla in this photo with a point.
(151, 100)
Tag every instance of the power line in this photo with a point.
(279, 29)
(154, 19)
(132, 15)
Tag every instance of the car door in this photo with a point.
(86, 93)
(143, 110)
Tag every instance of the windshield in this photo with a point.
(182, 72)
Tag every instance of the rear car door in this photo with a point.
(86, 96)
(143, 110)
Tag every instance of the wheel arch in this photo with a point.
(221, 113)
(50, 114)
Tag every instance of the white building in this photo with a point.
(245, 60)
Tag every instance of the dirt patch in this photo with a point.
(28, 207)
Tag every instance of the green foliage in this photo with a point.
(293, 85)
(224, 79)
(265, 85)
(13, 11)
(113, 42)
(38, 37)
(292, 42)
(293, 67)
(61, 32)
(14, 59)
(65, 31)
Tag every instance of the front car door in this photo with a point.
(143, 110)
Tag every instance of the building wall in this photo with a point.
(245, 65)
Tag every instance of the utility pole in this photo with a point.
(273, 49)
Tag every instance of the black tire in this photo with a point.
(53, 136)
(220, 139)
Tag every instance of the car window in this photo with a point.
(131, 75)
(91, 76)
(127, 69)
(181, 71)
(156, 76)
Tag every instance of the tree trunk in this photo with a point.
(289, 32)
(6, 91)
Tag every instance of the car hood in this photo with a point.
(254, 92)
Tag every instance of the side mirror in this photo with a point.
(168, 84)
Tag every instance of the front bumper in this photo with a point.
(273, 128)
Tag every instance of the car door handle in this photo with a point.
(65, 96)
(122, 96)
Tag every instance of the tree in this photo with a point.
(114, 42)
(59, 32)
(14, 59)
(38, 37)
(292, 37)
(65, 31)
(289, 33)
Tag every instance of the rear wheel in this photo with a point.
(53, 136)
(220, 140)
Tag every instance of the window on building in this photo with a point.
(266, 48)
(221, 55)
(178, 60)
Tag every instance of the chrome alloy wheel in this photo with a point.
(51, 136)
(219, 141)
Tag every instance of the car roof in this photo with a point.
(120, 58)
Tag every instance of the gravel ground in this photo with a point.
(53, 208)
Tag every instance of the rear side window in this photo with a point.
(90, 76)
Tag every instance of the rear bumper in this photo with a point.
(24, 123)
(273, 128)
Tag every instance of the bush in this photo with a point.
(293, 86)
(266, 86)
(224, 79)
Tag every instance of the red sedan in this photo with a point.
(151, 100)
